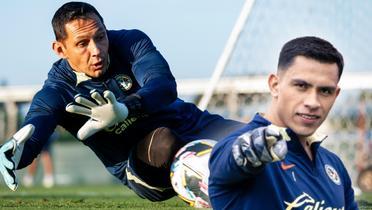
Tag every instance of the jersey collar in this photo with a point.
(81, 77)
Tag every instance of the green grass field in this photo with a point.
(95, 197)
(365, 201)
(81, 197)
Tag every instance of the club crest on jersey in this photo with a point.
(332, 174)
(124, 82)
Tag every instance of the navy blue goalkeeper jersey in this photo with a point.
(136, 67)
(294, 183)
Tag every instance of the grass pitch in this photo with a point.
(81, 197)
(96, 197)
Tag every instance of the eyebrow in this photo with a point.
(296, 81)
(300, 81)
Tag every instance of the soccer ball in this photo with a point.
(189, 172)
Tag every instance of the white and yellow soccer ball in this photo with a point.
(189, 172)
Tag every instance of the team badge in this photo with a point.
(332, 174)
(124, 82)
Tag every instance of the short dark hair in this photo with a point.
(71, 11)
(310, 47)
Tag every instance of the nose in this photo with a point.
(311, 100)
(94, 48)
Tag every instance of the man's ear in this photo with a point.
(338, 89)
(59, 49)
(273, 83)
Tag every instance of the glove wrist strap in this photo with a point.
(134, 105)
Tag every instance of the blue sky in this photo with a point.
(190, 34)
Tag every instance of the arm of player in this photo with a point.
(41, 120)
(158, 86)
(152, 72)
(10, 155)
(244, 153)
(106, 112)
(350, 202)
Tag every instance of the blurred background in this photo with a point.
(220, 53)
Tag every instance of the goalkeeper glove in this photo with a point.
(10, 155)
(107, 112)
(259, 146)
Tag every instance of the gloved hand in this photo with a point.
(259, 146)
(10, 155)
(107, 112)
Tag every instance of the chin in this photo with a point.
(304, 132)
(97, 73)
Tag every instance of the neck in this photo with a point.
(307, 147)
(274, 119)
(272, 116)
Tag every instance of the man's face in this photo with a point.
(85, 47)
(303, 95)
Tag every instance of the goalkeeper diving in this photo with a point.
(113, 91)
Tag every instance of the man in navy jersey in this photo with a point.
(276, 161)
(113, 91)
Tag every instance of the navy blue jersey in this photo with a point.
(297, 182)
(136, 67)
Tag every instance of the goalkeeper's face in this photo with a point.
(303, 94)
(85, 47)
